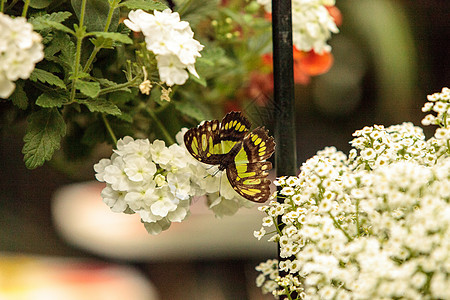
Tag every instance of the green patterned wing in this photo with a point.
(211, 142)
(203, 142)
(248, 174)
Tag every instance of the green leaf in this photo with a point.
(88, 88)
(46, 77)
(19, 98)
(43, 137)
(144, 5)
(125, 117)
(101, 42)
(190, 109)
(96, 14)
(68, 53)
(52, 24)
(58, 17)
(39, 4)
(48, 100)
(115, 36)
(102, 105)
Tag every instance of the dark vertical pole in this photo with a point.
(285, 157)
(283, 76)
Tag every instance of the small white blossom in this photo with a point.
(20, 49)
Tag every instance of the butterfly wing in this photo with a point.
(233, 128)
(203, 142)
(248, 174)
(211, 142)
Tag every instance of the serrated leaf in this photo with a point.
(103, 106)
(88, 88)
(58, 17)
(19, 97)
(144, 5)
(48, 100)
(43, 137)
(114, 36)
(55, 25)
(46, 77)
(189, 109)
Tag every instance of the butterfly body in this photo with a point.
(233, 147)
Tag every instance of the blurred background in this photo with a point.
(387, 57)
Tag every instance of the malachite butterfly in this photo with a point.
(233, 147)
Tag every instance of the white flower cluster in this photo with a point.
(158, 183)
(312, 24)
(20, 50)
(440, 104)
(171, 40)
(372, 226)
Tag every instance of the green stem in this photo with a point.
(80, 34)
(109, 129)
(112, 7)
(340, 227)
(25, 8)
(91, 59)
(2, 6)
(357, 218)
(118, 87)
(166, 134)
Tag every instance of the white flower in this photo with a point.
(150, 179)
(312, 24)
(260, 233)
(171, 70)
(20, 50)
(114, 199)
(139, 169)
(160, 153)
(171, 40)
(374, 226)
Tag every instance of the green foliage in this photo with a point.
(43, 137)
(48, 24)
(88, 88)
(113, 36)
(102, 105)
(19, 97)
(57, 17)
(96, 14)
(146, 5)
(39, 4)
(48, 100)
(47, 77)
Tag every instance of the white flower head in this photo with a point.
(20, 49)
(171, 40)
